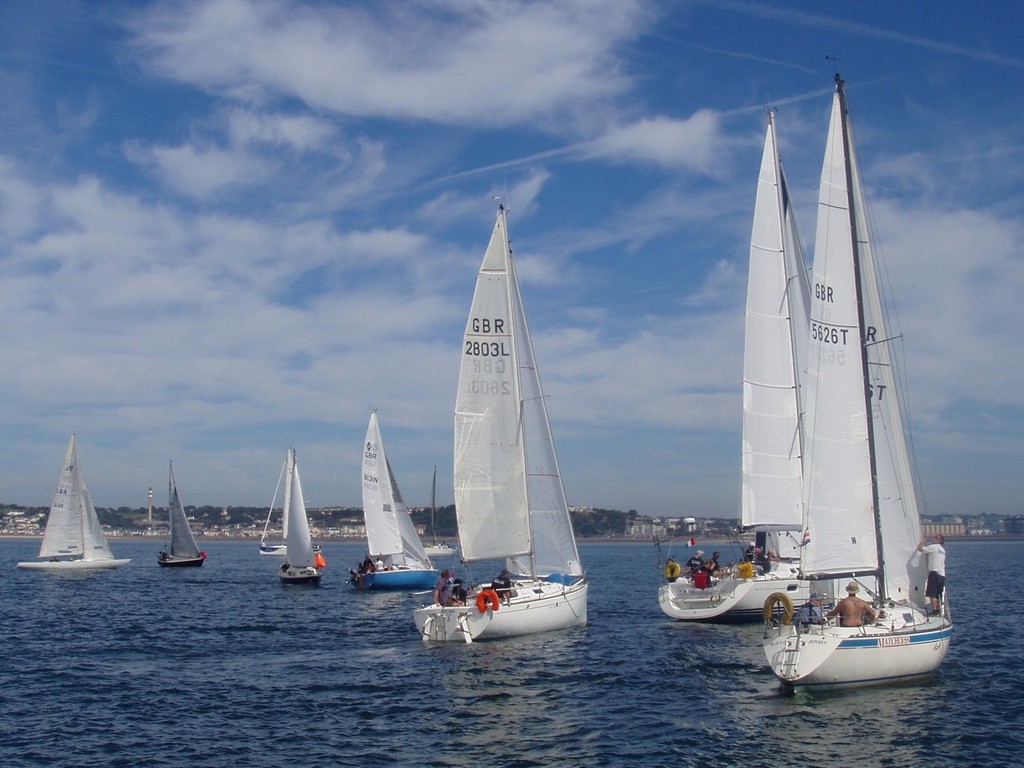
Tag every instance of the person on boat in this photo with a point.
(164, 555)
(502, 584)
(456, 589)
(761, 560)
(367, 566)
(936, 553)
(696, 562)
(810, 612)
(711, 566)
(851, 610)
(442, 595)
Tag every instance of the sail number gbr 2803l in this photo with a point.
(489, 369)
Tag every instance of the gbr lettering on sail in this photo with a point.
(487, 345)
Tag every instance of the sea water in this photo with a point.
(224, 666)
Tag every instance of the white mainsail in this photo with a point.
(297, 538)
(509, 498)
(775, 340)
(183, 543)
(390, 532)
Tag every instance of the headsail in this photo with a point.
(775, 340)
(72, 527)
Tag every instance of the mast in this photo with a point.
(869, 410)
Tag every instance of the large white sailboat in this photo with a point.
(303, 564)
(73, 539)
(775, 339)
(183, 550)
(861, 514)
(396, 556)
(509, 499)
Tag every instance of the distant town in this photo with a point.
(347, 523)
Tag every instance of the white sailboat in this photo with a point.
(272, 541)
(436, 548)
(73, 539)
(861, 514)
(509, 499)
(397, 555)
(304, 563)
(775, 339)
(183, 550)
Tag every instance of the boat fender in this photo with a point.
(778, 600)
(488, 596)
(745, 570)
(673, 570)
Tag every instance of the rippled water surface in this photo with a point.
(223, 666)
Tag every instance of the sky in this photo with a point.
(228, 227)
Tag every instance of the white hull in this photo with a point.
(732, 598)
(538, 607)
(441, 550)
(73, 565)
(276, 550)
(905, 644)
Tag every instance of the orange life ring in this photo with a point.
(485, 597)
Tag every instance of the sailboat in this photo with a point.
(436, 548)
(183, 550)
(396, 553)
(304, 563)
(861, 519)
(272, 542)
(775, 339)
(73, 540)
(509, 500)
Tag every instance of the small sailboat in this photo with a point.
(272, 540)
(397, 559)
(73, 540)
(304, 563)
(775, 339)
(509, 499)
(436, 548)
(183, 550)
(861, 519)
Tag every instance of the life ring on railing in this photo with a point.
(778, 600)
(673, 571)
(488, 596)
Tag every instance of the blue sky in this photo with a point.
(231, 227)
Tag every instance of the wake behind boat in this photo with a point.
(861, 515)
(509, 499)
(775, 338)
(73, 539)
(397, 559)
(304, 563)
(183, 552)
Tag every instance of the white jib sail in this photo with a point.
(72, 527)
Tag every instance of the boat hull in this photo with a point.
(398, 579)
(279, 550)
(827, 657)
(73, 565)
(293, 575)
(181, 562)
(732, 599)
(540, 606)
(441, 550)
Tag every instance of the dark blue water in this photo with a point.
(223, 666)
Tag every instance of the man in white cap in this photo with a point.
(851, 610)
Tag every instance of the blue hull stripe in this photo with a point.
(921, 637)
